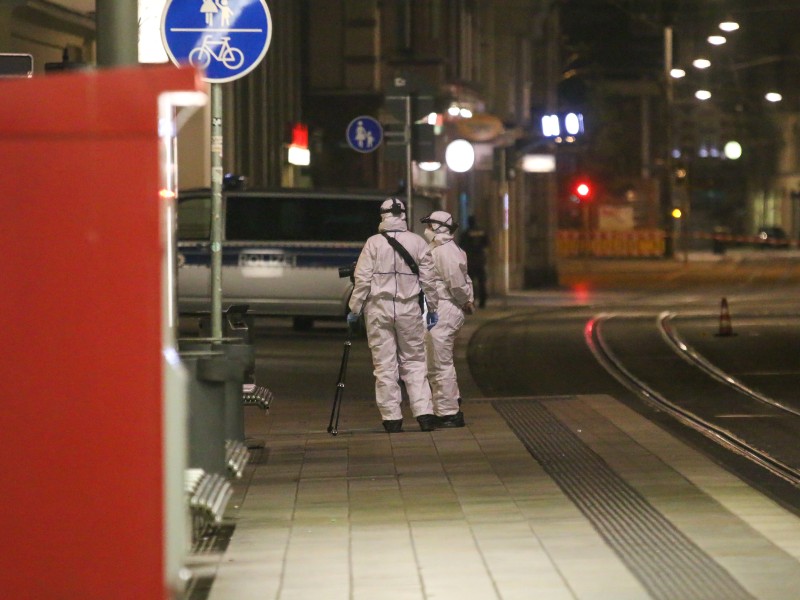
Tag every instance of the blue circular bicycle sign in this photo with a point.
(225, 38)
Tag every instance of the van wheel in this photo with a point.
(302, 323)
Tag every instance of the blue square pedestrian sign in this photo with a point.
(225, 38)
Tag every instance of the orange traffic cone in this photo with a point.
(725, 327)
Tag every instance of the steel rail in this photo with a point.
(719, 435)
(694, 358)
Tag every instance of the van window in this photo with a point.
(300, 219)
(194, 219)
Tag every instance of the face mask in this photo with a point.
(429, 234)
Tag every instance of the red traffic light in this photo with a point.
(583, 190)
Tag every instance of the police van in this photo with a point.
(285, 252)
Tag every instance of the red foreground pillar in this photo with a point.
(81, 379)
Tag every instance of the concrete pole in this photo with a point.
(117, 32)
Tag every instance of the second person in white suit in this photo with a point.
(454, 288)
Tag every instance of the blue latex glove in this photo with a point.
(352, 318)
(432, 318)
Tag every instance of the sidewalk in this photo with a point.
(547, 498)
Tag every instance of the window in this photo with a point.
(194, 219)
(300, 219)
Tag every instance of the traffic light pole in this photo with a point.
(679, 239)
(585, 222)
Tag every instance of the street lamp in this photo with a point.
(728, 99)
(459, 156)
(702, 95)
(733, 150)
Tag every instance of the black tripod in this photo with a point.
(333, 424)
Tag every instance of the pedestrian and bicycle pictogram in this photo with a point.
(225, 38)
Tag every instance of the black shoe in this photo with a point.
(393, 425)
(456, 420)
(427, 422)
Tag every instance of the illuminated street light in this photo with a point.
(538, 163)
(729, 25)
(733, 150)
(550, 126)
(701, 63)
(702, 94)
(716, 40)
(677, 73)
(773, 97)
(573, 123)
(459, 156)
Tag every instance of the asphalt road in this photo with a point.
(542, 349)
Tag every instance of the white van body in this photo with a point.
(281, 252)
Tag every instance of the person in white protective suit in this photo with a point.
(387, 290)
(455, 300)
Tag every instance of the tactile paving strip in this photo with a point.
(665, 561)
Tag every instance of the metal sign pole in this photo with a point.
(409, 165)
(216, 211)
(227, 43)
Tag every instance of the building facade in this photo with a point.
(332, 60)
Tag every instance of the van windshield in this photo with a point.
(300, 219)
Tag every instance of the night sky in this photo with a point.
(614, 38)
(624, 39)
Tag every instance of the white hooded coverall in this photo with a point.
(388, 291)
(454, 287)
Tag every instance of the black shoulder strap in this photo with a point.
(401, 250)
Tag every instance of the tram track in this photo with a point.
(693, 357)
(670, 402)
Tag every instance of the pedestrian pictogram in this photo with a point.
(225, 38)
(364, 134)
